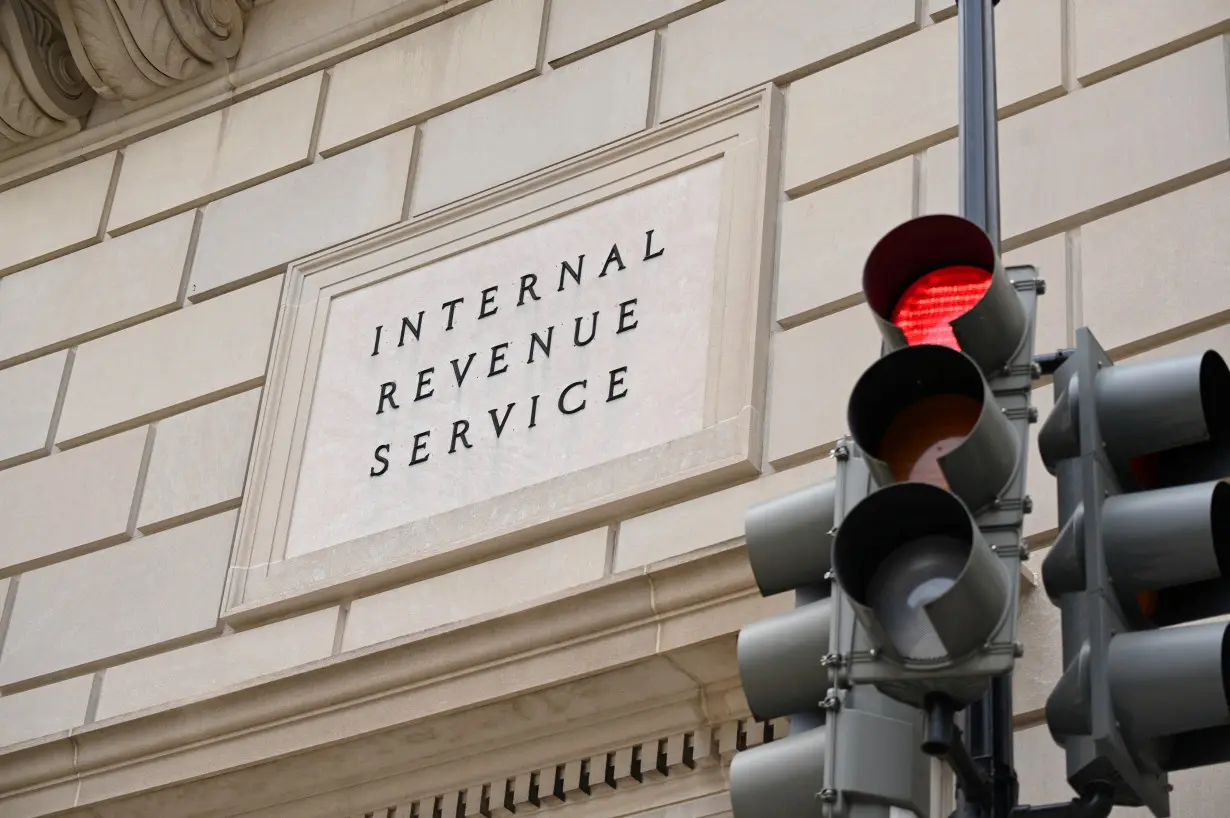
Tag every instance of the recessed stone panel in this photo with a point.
(430, 69)
(739, 44)
(95, 290)
(511, 369)
(117, 601)
(44, 710)
(74, 501)
(549, 119)
(53, 214)
(1112, 37)
(25, 422)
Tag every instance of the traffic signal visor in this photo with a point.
(920, 575)
(938, 280)
(925, 414)
(781, 658)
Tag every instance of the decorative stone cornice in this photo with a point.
(57, 57)
(130, 49)
(592, 776)
(42, 91)
(590, 672)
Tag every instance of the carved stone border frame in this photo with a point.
(742, 134)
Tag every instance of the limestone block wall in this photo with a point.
(139, 286)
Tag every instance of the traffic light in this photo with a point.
(851, 751)
(930, 560)
(1144, 544)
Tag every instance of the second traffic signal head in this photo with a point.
(1138, 450)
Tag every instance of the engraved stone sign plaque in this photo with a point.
(576, 346)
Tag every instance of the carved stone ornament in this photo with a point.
(41, 87)
(56, 56)
(129, 49)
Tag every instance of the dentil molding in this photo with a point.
(58, 56)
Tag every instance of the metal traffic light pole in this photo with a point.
(989, 721)
(977, 128)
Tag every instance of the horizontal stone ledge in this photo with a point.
(409, 682)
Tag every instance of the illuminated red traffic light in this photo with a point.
(926, 310)
(937, 281)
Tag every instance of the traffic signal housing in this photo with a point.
(782, 659)
(1144, 544)
(930, 560)
(851, 751)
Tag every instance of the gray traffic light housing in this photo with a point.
(782, 659)
(1144, 542)
(932, 557)
(861, 763)
(852, 751)
(929, 592)
(978, 468)
(991, 331)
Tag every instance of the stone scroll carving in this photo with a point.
(57, 56)
(41, 88)
(129, 49)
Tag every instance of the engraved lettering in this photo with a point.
(537, 342)
(565, 271)
(379, 454)
(563, 395)
(420, 445)
(497, 356)
(414, 329)
(527, 286)
(625, 312)
(576, 330)
(498, 422)
(386, 394)
(460, 374)
(617, 380)
(460, 427)
(452, 310)
(612, 257)
(424, 383)
(649, 246)
(488, 300)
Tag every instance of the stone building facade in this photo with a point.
(383, 384)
